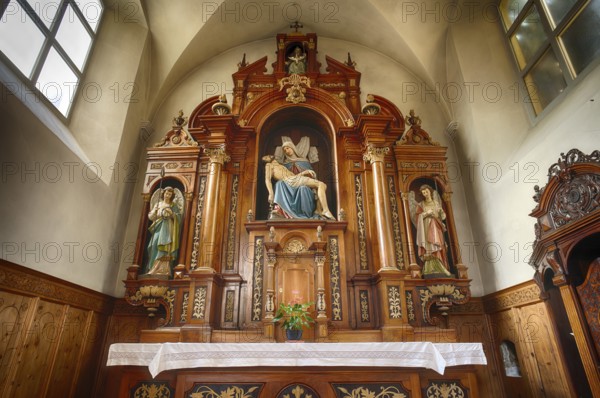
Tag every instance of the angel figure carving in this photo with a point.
(428, 217)
(165, 214)
(297, 193)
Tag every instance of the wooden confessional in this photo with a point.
(566, 259)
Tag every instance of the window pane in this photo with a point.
(528, 37)
(509, 10)
(545, 81)
(57, 82)
(74, 38)
(45, 9)
(92, 11)
(557, 9)
(581, 40)
(20, 40)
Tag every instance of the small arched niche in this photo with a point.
(509, 359)
(297, 122)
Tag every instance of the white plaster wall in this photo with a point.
(380, 75)
(507, 151)
(62, 215)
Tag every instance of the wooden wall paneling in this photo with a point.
(91, 350)
(474, 327)
(125, 325)
(37, 354)
(16, 314)
(68, 351)
(505, 327)
(541, 341)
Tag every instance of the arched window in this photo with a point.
(48, 43)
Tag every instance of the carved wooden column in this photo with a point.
(587, 357)
(321, 305)
(180, 268)
(133, 271)
(415, 270)
(460, 267)
(375, 156)
(217, 157)
(268, 325)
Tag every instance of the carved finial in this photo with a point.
(242, 63)
(319, 233)
(342, 215)
(250, 215)
(371, 107)
(349, 62)
(296, 25)
(413, 120)
(221, 107)
(272, 234)
(180, 120)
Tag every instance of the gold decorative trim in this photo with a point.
(257, 279)
(297, 391)
(295, 94)
(217, 155)
(375, 154)
(232, 219)
(335, 279)
(184, 307)
(395, 223)
(199, 208)
(360, 218)
(199, 303)
(229, 304)
(410, 306)
(375, 391)
(444, 390)
(225, 391)
(364, 306)
(294, 246)
(151, 389)
(515, 296)
(394, 302)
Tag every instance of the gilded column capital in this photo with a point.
(375, 154)
(217, 155)
(146, 197)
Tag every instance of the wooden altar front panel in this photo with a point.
(297, 382)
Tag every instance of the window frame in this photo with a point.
(50, 41)
(552, 42)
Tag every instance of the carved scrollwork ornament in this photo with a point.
(574, 156)
(217, 155)
(375, 154)
(575, 199)
(295, 93)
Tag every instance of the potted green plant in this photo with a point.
(295, 316)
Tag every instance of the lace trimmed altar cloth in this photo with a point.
(170, 356)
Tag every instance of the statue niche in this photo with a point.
(165, 220)
(296, 177)
(429, 229)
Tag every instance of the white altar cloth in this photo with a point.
(169, 356)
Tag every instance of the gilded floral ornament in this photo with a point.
(295, 94)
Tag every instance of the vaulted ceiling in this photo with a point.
(186, 33)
